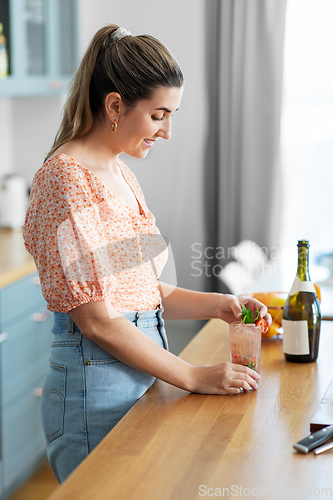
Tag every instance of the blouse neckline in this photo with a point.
(124, 205)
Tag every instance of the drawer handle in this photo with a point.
(36, 280)
(38, 392)
(39, 317)
(3, 337)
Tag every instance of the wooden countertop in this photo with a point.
(173, 445)
(15, 262)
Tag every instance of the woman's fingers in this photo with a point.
(236, 378)
(245, 370)
(238, 387)
(253, 304)
(224, 378)
(244, 378)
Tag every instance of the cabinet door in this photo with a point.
(23, 437)
(67, 36)
(20, 297)
(35, 28)
(2, 480)
(41, 44)
(25, 352)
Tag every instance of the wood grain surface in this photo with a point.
(324, 413)
(173, 445)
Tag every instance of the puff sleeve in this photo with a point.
(64, 232)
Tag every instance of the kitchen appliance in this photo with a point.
(13, 201)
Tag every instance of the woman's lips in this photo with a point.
(148, 142)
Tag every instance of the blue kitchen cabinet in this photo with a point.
(23, 439)
(1, 478)
(41, 38)
(2, 481)
(24, 354)
(25, 337)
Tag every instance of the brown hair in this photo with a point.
(134, 67)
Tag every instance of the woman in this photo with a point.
(99, 253)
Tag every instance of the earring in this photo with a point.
(114, 126)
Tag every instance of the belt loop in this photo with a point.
(70, 327)
(159, 313)
(161, 328)
(138, 317)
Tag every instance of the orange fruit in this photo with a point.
(264, 297)
(272, 330)
(275, 309)
(317, 291)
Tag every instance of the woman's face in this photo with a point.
(138, 128)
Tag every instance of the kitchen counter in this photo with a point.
(15, 261)
(173, 445)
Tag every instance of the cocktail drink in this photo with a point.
(245, 344)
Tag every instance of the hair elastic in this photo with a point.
(119, 34)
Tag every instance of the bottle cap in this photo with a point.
(303, 243)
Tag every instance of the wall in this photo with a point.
(171, 175)
(36, 120)
(6, 136)
(27, 128)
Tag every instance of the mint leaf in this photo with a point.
(257, 316)
(243, 312)
(252, 365)
(247, 315)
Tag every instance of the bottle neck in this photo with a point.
(303, 263)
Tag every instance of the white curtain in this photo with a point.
(244, 77)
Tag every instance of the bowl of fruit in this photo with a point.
(274, 301)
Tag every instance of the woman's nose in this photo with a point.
(165, 130)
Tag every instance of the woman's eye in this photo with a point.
(157, 118)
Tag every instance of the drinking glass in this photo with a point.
(245, 344)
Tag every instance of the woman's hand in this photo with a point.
(229, 308)
(224, 378)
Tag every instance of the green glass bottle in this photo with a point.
(301, 314)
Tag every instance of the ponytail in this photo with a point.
(134, 67)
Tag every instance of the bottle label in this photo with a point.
(302, 286)
(295, 337)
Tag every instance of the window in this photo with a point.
(307, 126)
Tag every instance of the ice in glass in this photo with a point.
(245, 344)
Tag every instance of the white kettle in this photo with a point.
(13, 201)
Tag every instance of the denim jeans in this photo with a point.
(87, 391)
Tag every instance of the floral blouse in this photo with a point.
(87, 244)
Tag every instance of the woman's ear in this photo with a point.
(113, 105)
